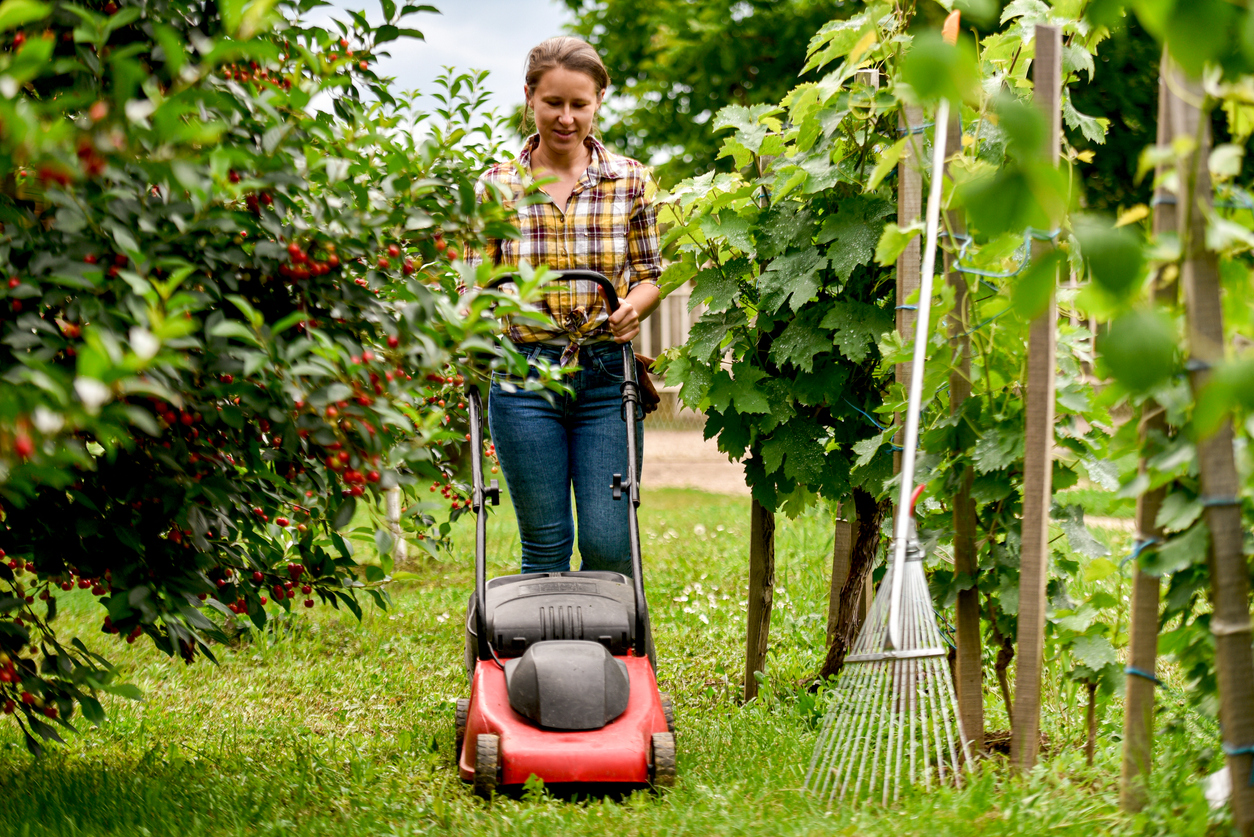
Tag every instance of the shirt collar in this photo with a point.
(604, 166)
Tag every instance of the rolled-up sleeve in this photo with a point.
(643, 252)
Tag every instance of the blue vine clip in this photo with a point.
(1139, 546)
(1136, 672)
(871, 419)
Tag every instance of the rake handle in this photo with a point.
(921, 327)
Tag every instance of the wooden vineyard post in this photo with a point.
(969, 662)
(1138, 716)
(1229, 576)
(1038, 450)
(909, 263)
(761, 592)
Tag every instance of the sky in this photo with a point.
(493, 35)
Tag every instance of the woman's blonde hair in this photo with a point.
(566, 52)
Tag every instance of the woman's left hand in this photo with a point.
(625, 322)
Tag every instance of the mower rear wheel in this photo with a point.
(487, 764)
(662, 773)
(668, 709)
(463, 713)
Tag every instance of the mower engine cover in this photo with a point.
(567, 684)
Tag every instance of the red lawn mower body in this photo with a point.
(619, 752)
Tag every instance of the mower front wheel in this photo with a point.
(662, 773)
(487, 764)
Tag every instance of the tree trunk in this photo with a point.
(761, 593)
(870, 515)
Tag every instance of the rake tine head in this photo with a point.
(891, 711)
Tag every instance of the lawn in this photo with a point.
(338, 727)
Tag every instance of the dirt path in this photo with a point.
(682, 459)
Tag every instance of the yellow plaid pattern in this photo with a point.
(609, 226)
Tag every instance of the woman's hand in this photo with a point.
(625, 322)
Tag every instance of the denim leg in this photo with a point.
(598, 450)
(532, 447)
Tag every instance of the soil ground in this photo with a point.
(682, 459)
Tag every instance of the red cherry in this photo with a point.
(344, 42)
(306, 589)
(50, 711)
(258, 577)
(451, 253)
(281, 522)
(309, 603)
(393, 250)
(333, 260)
(407, 267)
(345, 456)
(372, 476)
(14, 281)
(383, 263)
(23, 446)
(393, 341)
(332, 412)
(19, 39)
(263, 601)
(233, 176)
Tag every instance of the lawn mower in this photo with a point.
(563, 685)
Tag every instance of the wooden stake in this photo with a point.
(969, 660)
(1138, 717)
(909, 263)
(1229, 575)
(1038, 450)
(761, 592)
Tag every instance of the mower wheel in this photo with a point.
(668, 709)
(463, 712)
(487, 763)
(663, 770)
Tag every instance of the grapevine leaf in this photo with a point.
(1094, 652)
(1081, 540)
(854, 232)
(1092, 127)
(800, 341)
(791, 280)
(719, 287)
(1178, 553)
(1178, 512)
(795, 446)
(746, 394)
(858, 327)
(732, 227)
(997, 449)
(707, 334)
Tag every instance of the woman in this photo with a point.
(599, 217)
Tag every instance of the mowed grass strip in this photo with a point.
(330, 726)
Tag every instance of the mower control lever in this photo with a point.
(617, 485)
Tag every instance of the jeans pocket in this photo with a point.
(608, 366)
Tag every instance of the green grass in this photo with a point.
(334, 727)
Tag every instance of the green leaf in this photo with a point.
(719, 287)
(893, 242)
(1140, 349)
(1092, 127)
(1178, 512)
(854, 232)
(1081, 540)
(791, 280)
(1178, 553)
(887, 163)
(937, 70)
(800, 341)
(1031, 290)
(15, 13)
(126, 690)
(236, 329)
(857, 326)
(1113, 254)
(1094, 652)
(344, 514)
(997, 449)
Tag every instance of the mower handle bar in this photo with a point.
(481, 493)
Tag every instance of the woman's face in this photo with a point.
(565, 103)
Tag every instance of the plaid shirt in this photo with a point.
(609, 226)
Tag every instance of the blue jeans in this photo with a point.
(549, 443)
